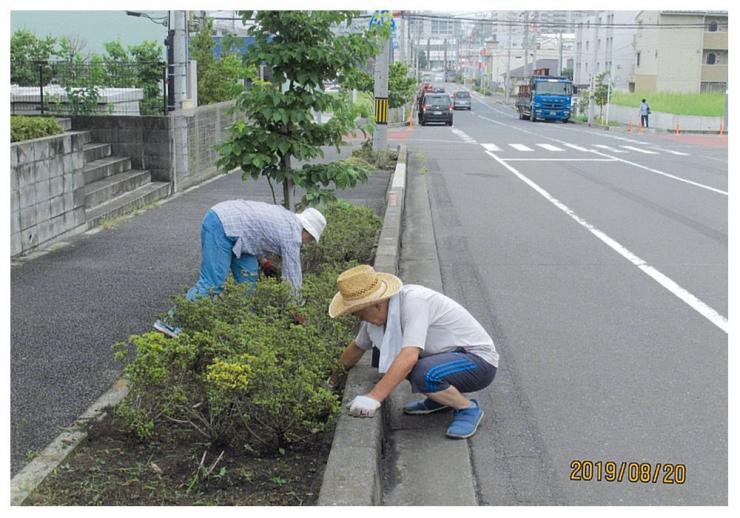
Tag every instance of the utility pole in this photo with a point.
(180, 56)
(560, 52)
(593, 70)
(380, 137)
(534, 37)
(508, 58)
(526, 46)
(444, 68)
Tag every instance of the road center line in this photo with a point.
(694, 302)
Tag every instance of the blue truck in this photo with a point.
(545, 97)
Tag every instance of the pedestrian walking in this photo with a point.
(644, 113)
(424, 337)
(235, 237)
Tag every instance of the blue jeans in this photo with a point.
(217, 258)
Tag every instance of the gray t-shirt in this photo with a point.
(435, 323)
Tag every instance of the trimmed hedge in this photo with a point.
(27, 128)
(242, 373)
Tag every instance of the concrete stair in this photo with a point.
(112, 188)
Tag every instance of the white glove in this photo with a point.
(363, 406)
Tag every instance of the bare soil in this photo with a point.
(112, 468)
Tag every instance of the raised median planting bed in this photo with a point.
(235, 411)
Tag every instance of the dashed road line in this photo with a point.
(491, 147)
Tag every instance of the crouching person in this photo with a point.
(423, 336)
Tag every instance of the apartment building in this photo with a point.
(680, 51)
(604, 42)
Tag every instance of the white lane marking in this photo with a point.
(679, 153)
(577, 148)
(650, 169)
(640, 150)
(466, 138)
(558, 160)
(694, 302)
(521, 147)
(549, 147)
(684, 180)
(609, 148)
(491, 147)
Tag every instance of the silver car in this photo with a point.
(461, 100)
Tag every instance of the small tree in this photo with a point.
(423, 61)
(600, 92)
(303, 52)
(220, 78)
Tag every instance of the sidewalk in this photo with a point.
(71, 304)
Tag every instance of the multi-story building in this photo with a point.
(669, 58)
(604, 44)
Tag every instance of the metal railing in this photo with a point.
(95, 87)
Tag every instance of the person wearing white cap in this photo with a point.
(237, 234)
(424, 337)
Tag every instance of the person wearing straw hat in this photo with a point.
(424, 337)
(237, 234)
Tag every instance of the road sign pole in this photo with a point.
(380, 137)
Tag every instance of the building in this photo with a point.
(604, 43)
(690, 59)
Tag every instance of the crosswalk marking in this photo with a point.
(549, 147)
(521, 147)
(645, 151)
(489, 146)
(679, 153)
(577, 148)
(608, 148)
(466, 138)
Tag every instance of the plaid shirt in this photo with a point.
(262, 228)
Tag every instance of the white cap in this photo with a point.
(313, 221)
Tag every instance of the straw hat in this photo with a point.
(313, 221)
(360, 287)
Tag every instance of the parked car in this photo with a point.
(461, 100)
(438, 89)
(435, 107)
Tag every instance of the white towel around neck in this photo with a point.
(388, 341)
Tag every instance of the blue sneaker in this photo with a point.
(164, 327)
(465, 422)
(423, 407)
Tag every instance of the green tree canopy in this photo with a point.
(303, 52)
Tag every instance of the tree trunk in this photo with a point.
(288, 188)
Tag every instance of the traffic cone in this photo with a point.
(629, 127)
(721, 127)
(678, 126)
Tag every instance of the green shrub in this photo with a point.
(351, 234)
(26, 128)
(242, 372)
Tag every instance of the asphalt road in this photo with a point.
(69, 306)
(598, 261)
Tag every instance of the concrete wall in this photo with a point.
(206, 127)
(47, 200)
(147, 141)
(667, 121)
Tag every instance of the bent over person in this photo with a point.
(235, 237)
(424, 337)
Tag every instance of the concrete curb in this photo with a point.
(28, 479)
(353, 474)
